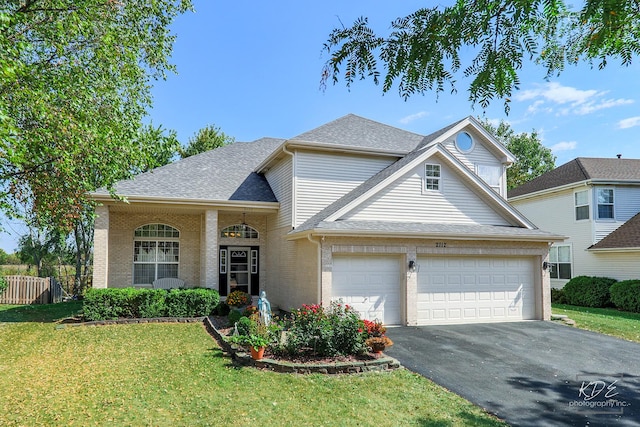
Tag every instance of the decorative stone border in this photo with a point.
(353, 367)
(239, 355)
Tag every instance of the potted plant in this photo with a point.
(238, 299)
(256, 338)
(376, 338)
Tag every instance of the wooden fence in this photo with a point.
(31, 290)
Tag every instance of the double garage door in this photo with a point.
(450, 289)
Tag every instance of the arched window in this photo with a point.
(156, 253)
(240, 231)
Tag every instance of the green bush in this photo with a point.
(558, 296)
(587, 291)
(244, 325)
(114, 303)
(317, 331)
(191, 302)
(625, 295)
(111, 303)
(152, 303)
(3, 284)
(222, 309)
(234, 316)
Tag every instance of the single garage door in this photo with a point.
(370, 284)
(475, 290)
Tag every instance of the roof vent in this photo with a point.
(618, 155)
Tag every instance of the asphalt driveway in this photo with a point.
(529, 373)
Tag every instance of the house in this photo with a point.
(406, 228)
(596, 203)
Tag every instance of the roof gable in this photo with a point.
(395, 171)
(582, 169)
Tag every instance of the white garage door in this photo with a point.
(475, 290)
(370, 284)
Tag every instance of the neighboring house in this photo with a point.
(596, 203)
(399, 225)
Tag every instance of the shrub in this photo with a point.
(244, 325)
(558, 296)
(234, 316)
(111, 303)
(625, 295)
(315, 330)
(222, 309)
(191, 302)
(152, 303)
(588, 291)
(114, 303)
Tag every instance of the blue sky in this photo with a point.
(253, 69)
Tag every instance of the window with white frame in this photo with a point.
(605, 203)
(156, 253)
(560, 262)
(581, 203)
(432, 175)
(240, 231)
(492, 175)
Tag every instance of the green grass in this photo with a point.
(607, 321)
(176, 375)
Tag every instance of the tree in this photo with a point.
(532, 158)
(206, 139)
(423, 50)
(37, 246)
(75, 79)
(160, 147)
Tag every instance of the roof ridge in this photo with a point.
(582, 168)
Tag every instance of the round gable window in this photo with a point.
(464, 142)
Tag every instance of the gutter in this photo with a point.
(413, 235)
(187, 202)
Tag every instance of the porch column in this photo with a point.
(209, 252)
(101, 248)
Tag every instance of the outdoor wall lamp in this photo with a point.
(545, 265)
(412, 266)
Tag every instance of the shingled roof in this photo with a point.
(356, 131)
(225, 173)
(582, 169)
(625, 236)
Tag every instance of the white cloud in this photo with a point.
(629, 123)
(564, 146)
(413, 117)
(572, 100)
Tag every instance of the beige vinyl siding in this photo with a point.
(405, 200)
(618, 265)
(555, 213)
(627, 202)
(280, 178)
(322, 178)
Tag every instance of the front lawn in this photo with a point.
(609, 321)
(176, 375)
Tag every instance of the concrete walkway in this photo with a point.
(529, 373)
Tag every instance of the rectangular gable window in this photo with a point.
(560, 262)
(581, 202)
(432, 177)
(605, 203)
(492, 175)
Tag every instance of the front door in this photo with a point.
(238, 277)
(239, 269)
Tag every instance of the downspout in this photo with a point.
(319, 280)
